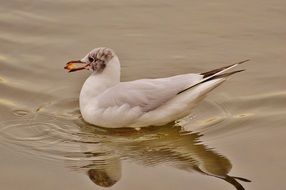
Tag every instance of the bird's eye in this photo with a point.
(90, 59)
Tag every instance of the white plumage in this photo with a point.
(107, 102)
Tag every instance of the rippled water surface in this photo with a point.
(238, 130)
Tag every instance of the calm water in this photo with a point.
(239, 130)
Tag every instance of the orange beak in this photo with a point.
(77, 65)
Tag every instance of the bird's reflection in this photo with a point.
(99, 152)
(169, 145)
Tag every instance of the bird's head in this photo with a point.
(96, 60)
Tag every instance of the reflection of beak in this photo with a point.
(77, 65)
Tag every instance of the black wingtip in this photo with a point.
(235, 183)
(243, 61)
(210, 75)
(212, 72)
(224, 75)
(241, 179)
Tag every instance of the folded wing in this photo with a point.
(147, 94)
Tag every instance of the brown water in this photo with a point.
(239, 130)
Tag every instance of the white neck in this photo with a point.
(97, 83)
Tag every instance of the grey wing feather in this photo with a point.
(147, 94)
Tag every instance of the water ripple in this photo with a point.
(99, 151)
(47, 136)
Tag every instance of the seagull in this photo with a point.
(107, 102)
